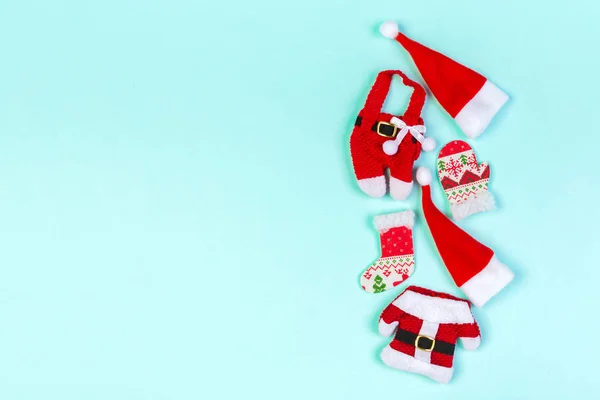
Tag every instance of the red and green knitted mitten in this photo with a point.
(397, 260)
(464, 181)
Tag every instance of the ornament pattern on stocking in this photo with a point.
(397, 259)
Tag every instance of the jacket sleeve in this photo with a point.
(469, 335)
(389, 320)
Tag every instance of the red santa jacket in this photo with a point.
(427, 325)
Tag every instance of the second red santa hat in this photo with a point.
(473, 266)
(466, 95)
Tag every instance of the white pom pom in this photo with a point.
(390, 147)
(389, 29)
(428, 144)
(423, 176)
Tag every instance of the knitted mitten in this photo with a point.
(464, 181)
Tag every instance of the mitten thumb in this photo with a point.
(482, 167)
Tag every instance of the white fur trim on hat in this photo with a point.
(399, 360)
(477, 114)
(488, 282)
(483, 201)
(389, 29)
(435, 309)
(385, 222)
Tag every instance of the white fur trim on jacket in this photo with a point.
(470, 343)
(398, 360)
(435, 309)
(477, 114)
(385, 222)
(483, 201)
(386, 329)
(488, 282)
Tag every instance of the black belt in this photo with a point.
(424, 342)
(383, 128)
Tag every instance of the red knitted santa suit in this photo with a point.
(373, 128)
(427, 325)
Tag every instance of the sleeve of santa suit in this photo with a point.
(469, 335)
(389, 320)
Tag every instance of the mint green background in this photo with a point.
(179, 219)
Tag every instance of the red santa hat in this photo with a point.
(472, 265)
(466, 95)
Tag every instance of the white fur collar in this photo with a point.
(434, 309)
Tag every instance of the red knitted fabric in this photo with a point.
(447, 332)
(438, 316)
(463, 256)
(439, 71)
(368, 158)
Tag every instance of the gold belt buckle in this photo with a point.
(426, 337)
(388, 135)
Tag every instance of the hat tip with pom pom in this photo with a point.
(389, 29)
(423, 176)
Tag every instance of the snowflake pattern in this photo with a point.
(461, 176)
(472, 162)
(454, 167)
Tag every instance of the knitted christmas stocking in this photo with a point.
(396, 263)
(464, 181)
